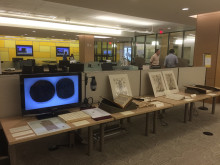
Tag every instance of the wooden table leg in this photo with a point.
(147, 124)
(128, 119)
(90, 140)
(122, 123)
(71, 138)
(155, 122)
(191, 111)
(213, 105)
(12, 154)
(101, 145)
(186, 112)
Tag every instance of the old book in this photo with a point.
(121, 101)
(196, 90)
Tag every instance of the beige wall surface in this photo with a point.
(10, 102)
(191, 76)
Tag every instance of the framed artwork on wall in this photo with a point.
(120, 85)
(157, 83)
(170, 81)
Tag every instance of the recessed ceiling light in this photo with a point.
(193, 16)
(64, 34)
(33, 31)
(123, 20)
(25, 34)
(52, 36)
(185, 9)
(169, 28)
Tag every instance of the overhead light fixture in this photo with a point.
(64, 34)
(25, 15)
(121, 20)
(17, 22)
(185, 8)
(169, 28)
(179, 42)
(34, 31)
(193, 16)
(155, 43)
(25, 34)
(101, 37)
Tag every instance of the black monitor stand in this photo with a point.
(51, 114)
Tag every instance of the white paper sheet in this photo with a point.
(46, 126)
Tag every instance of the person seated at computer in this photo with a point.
(72, 59)
(155, 59)
(65, 56)
(171, 60)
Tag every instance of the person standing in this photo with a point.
(154, 60)
(171, 60)
(65, 56)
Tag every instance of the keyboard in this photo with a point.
(175, 96)
(74, 116)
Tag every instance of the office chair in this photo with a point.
(38, 69)
(52, 68)
(76, 68)
(27, 69)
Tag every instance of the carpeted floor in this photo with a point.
(175, 144)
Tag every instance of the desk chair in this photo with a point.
(52, 68)
(76, 68)
(27, 69)
(38, 69)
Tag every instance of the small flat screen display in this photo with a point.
(60, 51)
(22, 50)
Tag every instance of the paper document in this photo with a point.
(127, 113)
(46, 126)
(19, 129)
(158, 103)
(96, 113)
(80, 123)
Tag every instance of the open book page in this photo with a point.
(123, 100)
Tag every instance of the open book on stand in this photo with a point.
(121, 101)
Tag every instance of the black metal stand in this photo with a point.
(203, 107)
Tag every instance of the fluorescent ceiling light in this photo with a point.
(155, 42)
(121, 20)
(179, 42)
(101, 37)
(17, 22)
(185, 9)
(25, 15)
(193, 16)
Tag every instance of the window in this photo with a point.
(188, 50)
(176, 43)
(150, 47)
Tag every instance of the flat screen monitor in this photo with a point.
(49, 93)
(24, 50)
(60, 51)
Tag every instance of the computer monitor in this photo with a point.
(60, 51)
(49, 93)
(24, 50)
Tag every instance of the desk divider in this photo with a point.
(10, 104)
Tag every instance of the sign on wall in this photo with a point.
(207, 60)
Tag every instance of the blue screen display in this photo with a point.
(61, 51)
(56, 99)
(24, 50)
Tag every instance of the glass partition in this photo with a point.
(176, 43)
(150, 47)
(188, 50)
